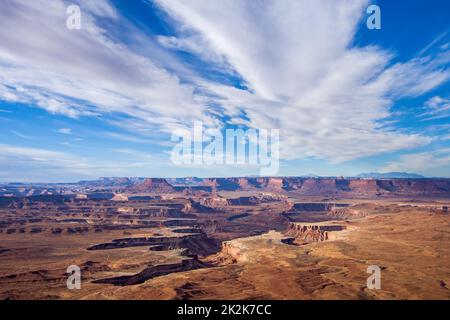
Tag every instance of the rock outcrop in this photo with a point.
(305, 233)
(195, 243)
(192, 206)
(152, 185)
(236, 184)
(232, 252)
(345, 187)
(120, 197)
(255, 200)
(215, 202)
(346, 213)
(361, 188)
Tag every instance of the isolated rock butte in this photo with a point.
(215, 202)
(192, 206)
(346, 213)
(156, 185)
(237, 184)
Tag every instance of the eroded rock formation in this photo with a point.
(192, 206)
(152, 185)
(306, 233)
(232, 252)
(345, 187)
(215, 202)
(197, 243)
(346, 213)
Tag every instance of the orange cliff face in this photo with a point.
(305, 232)
(315, 186)
(244, 183)
(343, 187)
(366, 187)
(275, 184)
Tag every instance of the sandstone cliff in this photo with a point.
(306, 233)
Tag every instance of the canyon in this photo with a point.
(226, 238)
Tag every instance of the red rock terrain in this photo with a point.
(153, 185)
(229, 238)
(343, 187)
(306, 232)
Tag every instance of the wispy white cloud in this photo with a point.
(436, 108)
(136, 154)
(37, 164)
(420, 162)
(23, 136)
(65, 131)
(84, 72)
(328, 99)
(301, 72)
(193, 44)
(433, 43)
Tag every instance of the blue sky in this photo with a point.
(104, 100)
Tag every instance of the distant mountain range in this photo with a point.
(390, 175)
